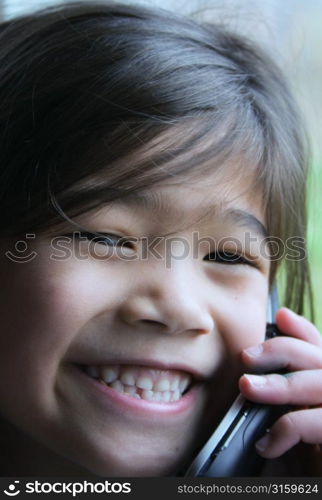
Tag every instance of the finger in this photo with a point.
(290, 429)
(283, 352)
(297, 326)
(296, 388)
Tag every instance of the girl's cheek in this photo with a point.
(53, 305)
(244, 324)
(55, 308)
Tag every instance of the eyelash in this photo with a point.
(103, 238)
(228, 258)
(219, 256)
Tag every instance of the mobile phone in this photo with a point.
(230, 451)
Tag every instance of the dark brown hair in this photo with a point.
(98, 100)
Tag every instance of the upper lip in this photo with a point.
(149, 363)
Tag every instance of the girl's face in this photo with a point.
(162, 319)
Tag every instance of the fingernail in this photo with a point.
(256, 380)
(254, 351)
(263, 443)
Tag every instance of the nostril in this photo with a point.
(152, 322)
(196, 331)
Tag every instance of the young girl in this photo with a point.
(152, 182)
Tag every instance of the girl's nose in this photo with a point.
(172, 304)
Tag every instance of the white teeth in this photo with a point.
(152, 395)
(118, 386)
(147, 395)
(130, 390)
(162, 385)
(144, 383)
(176, 395)
(157, 396)
(174, 383)
(110, 373)
(127, 378)
(166, 396)
(141, 382)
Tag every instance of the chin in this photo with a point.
(133, 467)
(149, 460)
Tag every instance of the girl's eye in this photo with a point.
(227, 258)
(104, 238)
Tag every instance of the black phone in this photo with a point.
(230, 451)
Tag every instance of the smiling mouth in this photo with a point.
(142, 382)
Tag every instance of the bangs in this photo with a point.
(139, 156)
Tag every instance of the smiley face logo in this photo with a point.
(21, 251)
(12, 489)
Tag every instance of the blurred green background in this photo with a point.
(315, 235)
(302, 36)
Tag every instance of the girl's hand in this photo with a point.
(300, 355)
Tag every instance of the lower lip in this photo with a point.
(117, 401)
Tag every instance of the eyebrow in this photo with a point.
(157, 203)
(246, 219)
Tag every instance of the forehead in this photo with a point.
(200, 199)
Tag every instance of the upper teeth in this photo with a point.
(142, 382)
